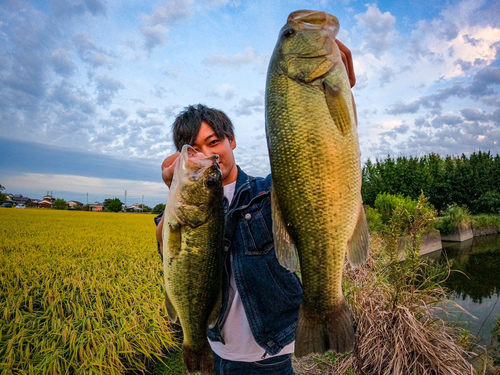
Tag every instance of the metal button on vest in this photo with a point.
(248, 217)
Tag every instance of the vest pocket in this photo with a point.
(257, 236)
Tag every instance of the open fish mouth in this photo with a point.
(313, 20)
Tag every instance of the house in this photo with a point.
(136, 207)
(97, 206)
(46, 202)
(49, 198)
(74, 204)
(19, 199)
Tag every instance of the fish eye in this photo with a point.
(210, 182)
(288, 32)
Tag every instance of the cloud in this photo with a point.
(144, 111)
(62, 63)
(71, 97)
(380, 33)
(159, 91)
(154, 28)
(120, 113)
(474, 114)
(65, 9)
(107, 87)
(448, 119)
(223, 91)
(90, 53)
(247, 107)
(236, 61)
(399, 108)
(171, 110)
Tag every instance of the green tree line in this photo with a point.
(472, 181)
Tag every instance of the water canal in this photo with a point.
(475, 286)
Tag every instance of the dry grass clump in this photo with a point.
(404, 338)
(80, 293)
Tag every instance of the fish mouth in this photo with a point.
(314, 20)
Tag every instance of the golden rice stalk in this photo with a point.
(84, 296)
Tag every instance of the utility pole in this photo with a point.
(142, 202)
(87, 198)
(125, 198)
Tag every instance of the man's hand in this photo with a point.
(347, 60)
(168, 167)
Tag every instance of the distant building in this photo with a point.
(46, 202)
(49, 198)
(19, 199)
(136, 207)
(74, 204)
(97, 206)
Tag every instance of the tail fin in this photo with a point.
(201, 360)
(334, 331)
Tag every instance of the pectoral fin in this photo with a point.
(338, 108)
(172, 238)
(286, 251)
(359, 244)
(172, 314)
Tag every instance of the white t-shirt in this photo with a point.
(240, 344)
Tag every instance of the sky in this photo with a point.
(89, 88)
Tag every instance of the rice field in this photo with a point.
(80, 292)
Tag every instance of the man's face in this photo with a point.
(209, 144)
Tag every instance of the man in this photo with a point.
(255, 331)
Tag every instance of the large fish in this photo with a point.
(311, 129)
(193, 231)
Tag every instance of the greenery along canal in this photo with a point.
(476, 288)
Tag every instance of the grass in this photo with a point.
(80, 292)
(481, 222)
(455, 216)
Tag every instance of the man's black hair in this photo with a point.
(187, 124)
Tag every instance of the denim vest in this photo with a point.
(271, 295)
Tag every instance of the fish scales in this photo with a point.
(193, 233)
(316, 174)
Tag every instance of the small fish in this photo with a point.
(193, 233)
(312, 138)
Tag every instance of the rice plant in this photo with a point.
(80, 292)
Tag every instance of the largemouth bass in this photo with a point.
(311, 130)
(193, 232)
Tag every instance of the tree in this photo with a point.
(159, 208)
(3, 197)
(145, 208)
(113, 205)
(60, 204)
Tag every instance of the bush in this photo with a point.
(159, 208)
(60, 204)
(456, 216)
(404, 210)
(113, 205)
(374, 219)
